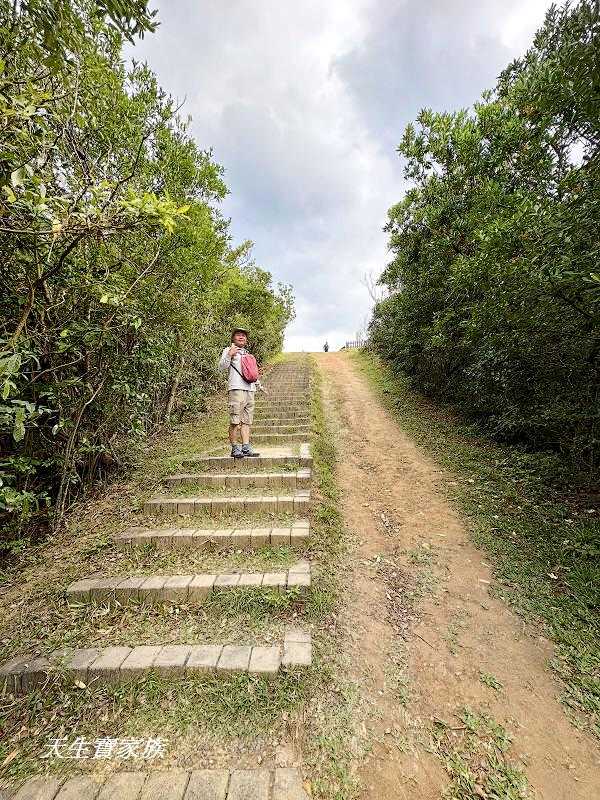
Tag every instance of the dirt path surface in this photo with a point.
(417, 662)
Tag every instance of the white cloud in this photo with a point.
(518, 26)
(304, 104)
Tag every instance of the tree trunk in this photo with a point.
(173, 390)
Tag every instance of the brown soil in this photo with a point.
(394, 505)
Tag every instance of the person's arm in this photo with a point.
(225, 360)
(226, 356)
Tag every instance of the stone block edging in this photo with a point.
(115, 665)
(171, 784)
(187, 589)
(196, 538)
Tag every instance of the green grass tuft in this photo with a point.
(475, 754)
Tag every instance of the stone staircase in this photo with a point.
(242, 504)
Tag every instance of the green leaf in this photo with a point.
(17, 178)
(19, 425)
(10, 195)
(7, 386)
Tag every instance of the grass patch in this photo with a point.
(490, 680)
(148, 560)
(203, 520)
(184, 712)
(457, 624)
(255, 617)
(475, 754)
(265, 603)
(540, 528)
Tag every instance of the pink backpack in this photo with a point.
(249, 368)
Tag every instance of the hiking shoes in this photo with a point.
(236, 451)
(248, 452)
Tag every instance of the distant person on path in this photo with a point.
(326, 347)
(241, 392)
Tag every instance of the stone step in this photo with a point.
(277, 438)
(286, 388)
(170, 784)
(283, 397)
(218, 506)
(262, 428)
(282, 419)
(186, 589)
(300, 388)
(262, 400)
(261, 422)
(115, 665)
(279, 409)
(267, 417)
(297, 479)
(285, 412)
(296, 535)
(270, 458)
(286, 380)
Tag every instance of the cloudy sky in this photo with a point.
(304, 103)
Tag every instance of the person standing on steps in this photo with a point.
(241, 393)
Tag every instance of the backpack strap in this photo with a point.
(231, 366)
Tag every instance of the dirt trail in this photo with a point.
(460, 631)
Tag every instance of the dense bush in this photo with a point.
(119, 281)
(494, 286)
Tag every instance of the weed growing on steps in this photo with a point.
(541, 535)
(186, 712)
(475, 754)
(147, 559)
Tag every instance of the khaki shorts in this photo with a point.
(241, 407)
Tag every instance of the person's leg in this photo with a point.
(245, 433)
(247, 419)
(235, 410)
